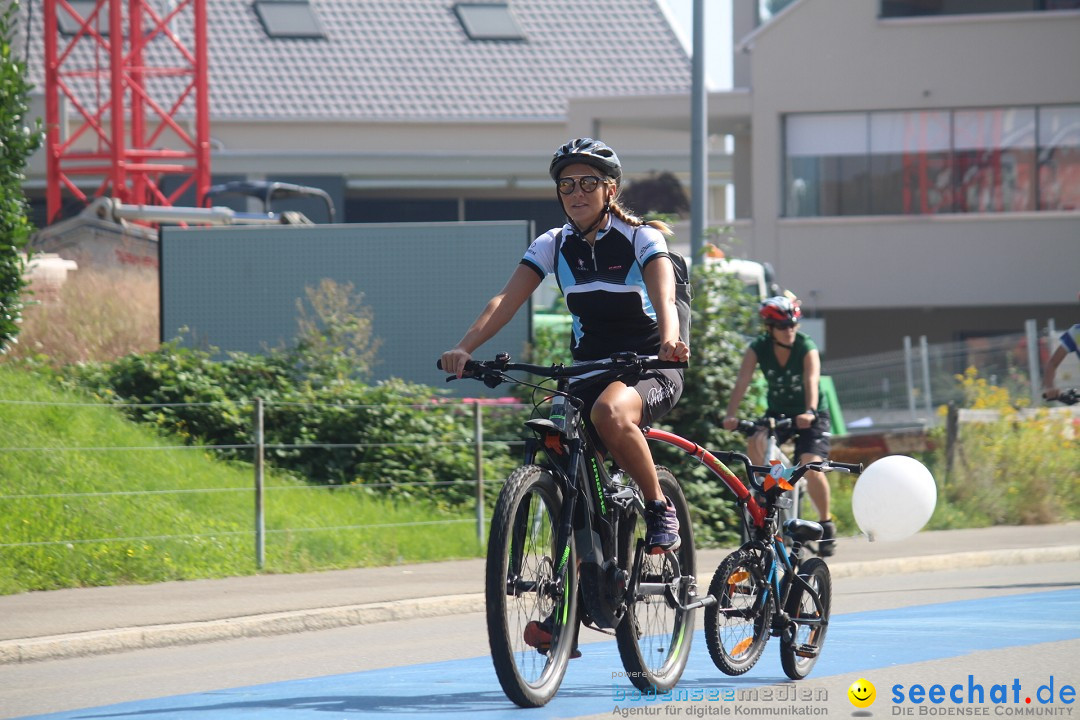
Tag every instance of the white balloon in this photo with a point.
(894, 498)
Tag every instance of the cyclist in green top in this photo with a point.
(792, 368)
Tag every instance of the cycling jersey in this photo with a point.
(1071, 339)
(603, 285)
(787, 395)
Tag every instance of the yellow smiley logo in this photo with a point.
(862, 693)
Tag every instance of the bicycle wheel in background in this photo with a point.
(800, 651)
(521, 588)
(738, 625)
(654, 637)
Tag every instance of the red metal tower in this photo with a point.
(128, 93)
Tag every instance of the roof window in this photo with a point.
(69, 25)
(289, 19)
(488, 21)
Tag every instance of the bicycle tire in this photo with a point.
(523, 533)
(654, 637)
(736, 632)
(800, 650)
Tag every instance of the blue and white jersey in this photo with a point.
(1071, 339)
(603, 285)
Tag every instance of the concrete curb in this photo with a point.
(99, 642)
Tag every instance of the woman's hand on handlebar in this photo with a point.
(453, 361)
(731, 423)
(676, 351)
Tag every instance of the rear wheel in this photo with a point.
(738, 625)
(522, 587)
(801, 646)
(654, 637)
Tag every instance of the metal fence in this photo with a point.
(907, 386)
(256, 452)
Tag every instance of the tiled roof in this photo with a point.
(412, 60)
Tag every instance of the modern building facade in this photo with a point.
(909, 167)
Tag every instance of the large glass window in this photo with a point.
(994, 153)
(910, 163)
(917, 8)
(923, 162)
(1059, 158)
(827, 165)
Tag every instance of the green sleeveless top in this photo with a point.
(786, 393)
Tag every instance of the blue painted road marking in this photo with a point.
(468, 688)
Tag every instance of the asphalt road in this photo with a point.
(1017, 627)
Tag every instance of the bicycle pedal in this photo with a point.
(807, 651)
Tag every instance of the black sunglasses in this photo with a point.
(784, 326)
(588, 183)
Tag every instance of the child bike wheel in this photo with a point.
(800, 648)
(522, 590)
(654, 638)
(738, 625)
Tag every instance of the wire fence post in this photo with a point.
(478, 440)
(260, 516)
(1031, 328)
(924, 352)
(909, 376)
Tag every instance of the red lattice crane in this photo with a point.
(138, 100)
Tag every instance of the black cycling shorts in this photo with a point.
(659, 391)
(814, 440)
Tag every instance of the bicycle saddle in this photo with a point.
(803, 530)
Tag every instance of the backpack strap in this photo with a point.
(684, 292)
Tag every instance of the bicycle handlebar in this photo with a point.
(490, 371)
(752, 471)
(749, 427)
(1068, 396)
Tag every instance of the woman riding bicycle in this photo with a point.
(792, 368)
(1070, 343)
(619, 286)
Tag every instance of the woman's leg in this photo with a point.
(616, 416)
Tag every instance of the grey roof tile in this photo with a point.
(411, 60)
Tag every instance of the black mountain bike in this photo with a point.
(567, 544)
(763, 589)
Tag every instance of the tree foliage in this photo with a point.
(659, 193)
(17, 142)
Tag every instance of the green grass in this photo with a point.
(186, 514)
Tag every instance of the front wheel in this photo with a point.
(530, 588)
(738, 625)
(654, 637)
(801, 645)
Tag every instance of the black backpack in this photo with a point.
(684, 293)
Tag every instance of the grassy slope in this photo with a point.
(74, 520)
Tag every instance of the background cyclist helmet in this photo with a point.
(588, 151)
(780, 311)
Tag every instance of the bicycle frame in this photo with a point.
(718, 468)
(586, 517)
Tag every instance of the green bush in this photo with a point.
(339, 433)
(723, 318)
(1015, 470)
(17, 143)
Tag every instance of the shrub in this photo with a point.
(17, 143)
(1015, 470)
